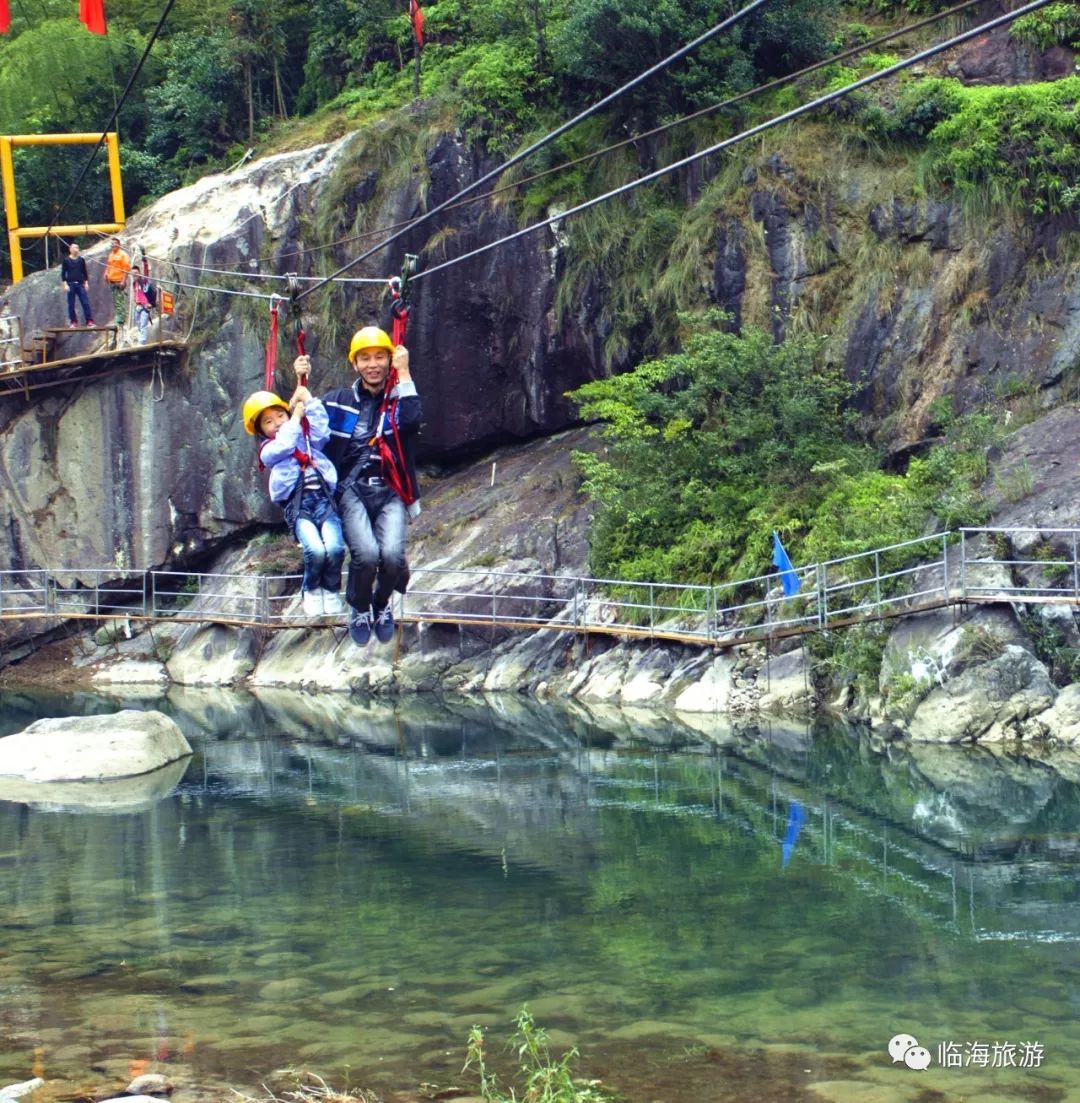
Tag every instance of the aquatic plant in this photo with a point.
(543, 1078)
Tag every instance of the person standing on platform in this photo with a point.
(117, 267)
(74, 277)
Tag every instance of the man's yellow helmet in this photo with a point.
(256, 404)
(370, 337)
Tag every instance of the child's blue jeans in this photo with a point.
(318, 529)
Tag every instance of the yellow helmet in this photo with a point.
(257, 404)
(370, 337)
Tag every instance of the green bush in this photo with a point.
(1054, 25)
(711, 449)
(542, 1077)
(1018, 145)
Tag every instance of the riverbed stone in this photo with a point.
(12, 1092)
(91, 748)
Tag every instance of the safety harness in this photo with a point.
(395, 470)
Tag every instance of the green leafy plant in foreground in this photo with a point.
(543, 1078)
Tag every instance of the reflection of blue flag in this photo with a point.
(795, 820)
(788, 578)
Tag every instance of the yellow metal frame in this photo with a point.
(7, 175)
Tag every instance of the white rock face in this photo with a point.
(18, 1091)
(92, 748)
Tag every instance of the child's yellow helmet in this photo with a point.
(370, 337)
(257, 404)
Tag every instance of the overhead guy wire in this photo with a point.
(769, 86)
(752, 132)
(112, 119)
(678, 55)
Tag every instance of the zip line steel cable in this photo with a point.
(112, 119)
(678, 55)
(659, 173)
(787, 116)
(710, 109)
(703, 112)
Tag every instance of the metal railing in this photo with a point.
(971, 564)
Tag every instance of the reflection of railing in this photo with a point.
(944, 887)
(913, 576)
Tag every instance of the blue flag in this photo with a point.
(788, 578)
(796, 819)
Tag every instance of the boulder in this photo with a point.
(989, 701)
(92, 748)
(17, 1091)
(787, 685)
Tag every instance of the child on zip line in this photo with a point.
(373, 428)
(302, 482)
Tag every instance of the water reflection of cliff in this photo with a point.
(976, 839)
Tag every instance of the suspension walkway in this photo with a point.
(30, 362)
(949, 569)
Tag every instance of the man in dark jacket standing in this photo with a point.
(74, 277)
(373, 426)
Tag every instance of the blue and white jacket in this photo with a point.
(277, 454)
(347, 406)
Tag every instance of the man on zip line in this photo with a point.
(373, 427)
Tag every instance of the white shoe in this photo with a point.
(332, 605)
(313, 603)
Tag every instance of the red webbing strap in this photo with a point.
(394, 468)
(400, 323)
(271, 349)
(300, 335)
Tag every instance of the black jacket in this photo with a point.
(73, 270)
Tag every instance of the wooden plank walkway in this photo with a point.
(737, 638)
(90, 366)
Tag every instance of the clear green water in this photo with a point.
(352, 889)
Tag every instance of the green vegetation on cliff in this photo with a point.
(712, 448)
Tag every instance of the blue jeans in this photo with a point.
(78, 290)
(318, 528)
(373, 519)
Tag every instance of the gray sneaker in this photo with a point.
(384, 625)
(333, 606)
(360, 627)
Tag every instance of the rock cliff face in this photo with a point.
(135, 471)
(921, 303)
(139, 471)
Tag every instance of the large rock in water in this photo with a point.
(124, 744)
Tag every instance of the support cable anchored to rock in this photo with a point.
(666, 63)
(115, 115)
(787, 116)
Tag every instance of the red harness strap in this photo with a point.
(271, 349)
(391, 453)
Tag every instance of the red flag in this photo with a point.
(416, 17)
(92, 14)
(5, 17)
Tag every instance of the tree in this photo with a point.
(198, 109)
